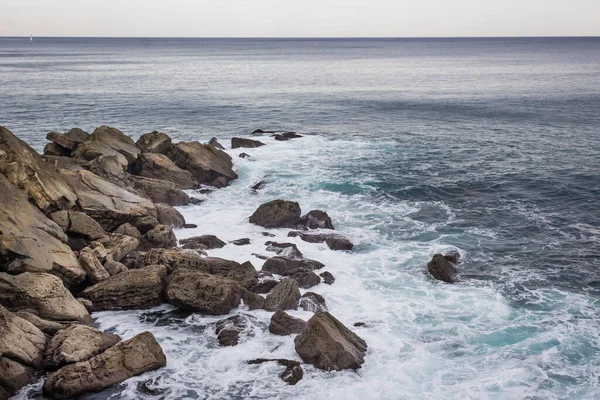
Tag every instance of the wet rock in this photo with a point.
(237, 142)
(453, 256)
(228, 330)
(284, 296)
(215, 143)
(154, 142)
(259, 185)
(42, 294)
(260, 256)
(129, 230)
(244, 155)
(149, 388)
(241, 242)
(316, 219)
(252, 300)
(327, 344)
(137, 288)
(333, 241)
(264, 286)
(313, 302)
(441, 269)
(44, 325)
(202, 242)
(110, 142)
(284, 324)
(161, 236)
(288, 250)
(190, 226)
(76, 343)
(259, 132)
(167, 215)
(159, 190)
(286, 136)
(282, 265)
(360, 324)
(173, 259)
(126, 359)
(205, 164)
(94, 269)
(202, 292)
(328, 278)
(276, 214)
(293, 371)
(267, 234)
(158, 166)
(305, 277)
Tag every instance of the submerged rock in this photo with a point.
(241, 242)
(276, 214)
(288, 250)
(237, 142)
(284, 324)
(328, 278)
(286, 136)
(228, 330)
(293, 371)
(244, 155)
(442, 269)
(453, 256)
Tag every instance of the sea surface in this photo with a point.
(413, 146)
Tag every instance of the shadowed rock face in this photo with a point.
(327, 344)
(158, 166)
(277, 214)
(126, 359)
(206, 164)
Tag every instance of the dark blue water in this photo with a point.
(490, 146)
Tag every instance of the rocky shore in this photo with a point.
(89, 226)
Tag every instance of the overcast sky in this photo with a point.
(299, 18)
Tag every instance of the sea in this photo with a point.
(490, 146)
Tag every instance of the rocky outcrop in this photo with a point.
(282, 265)
(228, 330)
(108, 141)
(442, 269)
(288, 250)
(237, 142)
(76, 343)
(158, 166)
(126, 359)
(167, 215)
(284, 324)
(161, 236)
(202, 242)
(202, 292)
(42, 294)
(333, 241)
(206, 164)
(316, 219)
(313, 302)
(284, 296)
(327, 344)
(138, 288)
(154, 142)
(277, 214)
(293, 371)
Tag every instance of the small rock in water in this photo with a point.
(313, 302)
(316, 219)
(195, 201)
(244, 155)
(293, 371)
(276, 214)
(453, 256)
(260, 256)
(237, 142)
(228, 330)
(442, 269)
(284, 249)
(215, 143)
(190, 226)
(284, 324)
(268, 234)
(287, 136)
(259, 185)
(360, 324)
(241, 242)
(202, 242)
(327, 277)
(306, 278)
(333, 241)
(149, 388)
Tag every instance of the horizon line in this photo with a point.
(303, 37)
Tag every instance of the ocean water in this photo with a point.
(414, 146)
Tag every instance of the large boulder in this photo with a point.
(228, 330)
(237, 142)
(137, 288)
(277, 214)
(442, 269)
(109, 142)
(284, 296)
(162, 236)
(29, 241)
(108, 167)
(158, 166)
(126, 359)
(76, 343)
(283, 265)
(154, 142)
(284, 324)
(333, 241)
(168, 215)
(327, 344)
(42, 294)
(202, 242)
(202, 292)
(206, 164)
(27, 170)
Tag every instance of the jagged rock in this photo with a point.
(94, 269)
(244, 155)
(13, 376)
(63, 141)
(27, 170)
(305, 277)
(253, 300)
(205, 164)
(161, 236)
(276, 214)
(334, 241)
(109, 204)
(284, 296)
(327, 277)
(327, 344)
(293, 371)
(44, 325)
(288, 250)
(158, 166)
(137, 288)
(202, 292)
(129, 230)
(159, 191)
(154, 142)
(119, 246)
(167, 215)
(208, 241)
(313, 302)
(76, 343)
(241, 242)
(126, 359)
(173, 259)
(284, 324)
(43, 294)
(228, 330)
(442, 269)
(110, 142)
(452, 256)
(20, 340)
(282, 265)
(316, 219)
(237, 142)
(108, 167)
(52, 149)
(286, 136)
(114, 267)
(215, 143)
(81, 224)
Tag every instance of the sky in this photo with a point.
(299, 18)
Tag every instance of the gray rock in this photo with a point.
(161, 236)
(237, 142)
(158, 166)
(167, 215)
(228, 330)
(206, 164)
(316, 219)
(328, 278)
(288, 250)
(108, 141)
(284, 324)
(305, 277)
(442, 269)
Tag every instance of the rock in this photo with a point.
(129, 230)
(244, 155)
(441, 269)
(62, 141)
(276, 214)
(154, 142)
(87, 303)
(76, 343)
(167, 215)
(82, 225)
(62, 219)
(316, 219)
(108, 167)
(287, 136)
(109, 142)
(313, 302)
(253, 300)
(26, 169)
(334, 241)
(126, 359)
(44, 325)
(215, 143)
(327, 277)
(327, 344)
(77, 135)
(453, 256)
(52, 149)
(237, 142)
(20, 340)
(158, 166)
(208, 241)
(196, 201)
(264, 286)
(149, 388)
(259, 132)
(161, 236)
(259, 185)
(95, 271)
(42, 294)
(305, 277)
(159, 191)
(173, 259)
(190, 226)
(202, 292)
(293, 372)
(260, 256)
(137, 288)
(284, 324)
(282, 265)
(288, 250)
(284, 296)
(228, 330)
(119, 246)
(114, 267)
(360, 324)
(205, 165)
(241, 242)
(267, 234)
(109, 204)
(13, 376)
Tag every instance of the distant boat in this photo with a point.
(31, 38)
